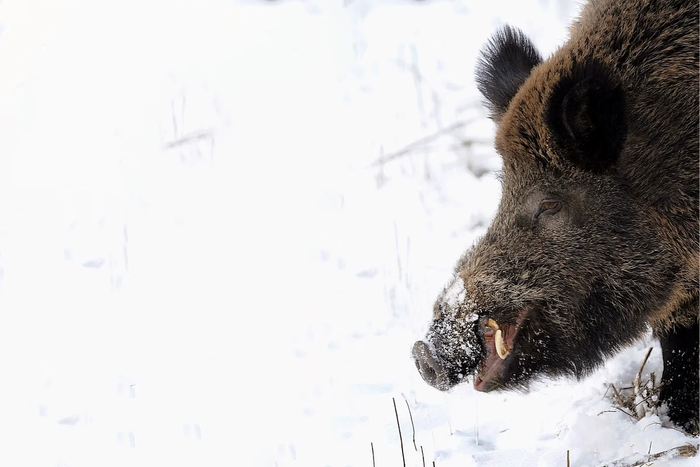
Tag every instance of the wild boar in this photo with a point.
(595, 240)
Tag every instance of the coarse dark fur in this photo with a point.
(596, 236)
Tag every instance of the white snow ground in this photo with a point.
(202, 262)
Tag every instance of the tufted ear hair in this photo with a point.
(505, 63)
(585, 116)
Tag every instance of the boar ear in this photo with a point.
(585, 115)
(504, 65)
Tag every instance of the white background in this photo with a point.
(209, 255)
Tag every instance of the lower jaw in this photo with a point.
(486, 384)
(488, 379)
(481, 385)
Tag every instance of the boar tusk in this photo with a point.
(492, 324)
(501, 347)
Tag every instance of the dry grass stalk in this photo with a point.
(413, 427)
(641, 398)
(403, 455)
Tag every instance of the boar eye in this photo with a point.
(549, 207)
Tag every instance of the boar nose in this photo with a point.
(429, 369)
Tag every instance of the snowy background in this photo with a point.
(223, 224)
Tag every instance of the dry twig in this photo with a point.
(638, 379)
(413, 427)
(641, 397)
(419, 143)
(636, 460)
(188, 138)
(403, 456)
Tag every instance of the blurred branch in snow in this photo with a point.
(418, 81)
(188, 142)
(420, 143)
(190, 138)
(636, 459)
(125, 249)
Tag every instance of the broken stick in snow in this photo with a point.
(636, 460)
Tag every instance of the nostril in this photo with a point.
(428, 368)
(429, 372)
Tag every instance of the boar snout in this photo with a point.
(430, 370)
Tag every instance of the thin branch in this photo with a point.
(403, 456)
(638, 379)
(636, 460)
(418, 82)
(644, 400)
(449, 419)
(618, 397)
(374, 464)
(627, 413)
(422, 456)
(413, 427)
(188, 138)
(175, 129)
(432, 431)
(419, 142)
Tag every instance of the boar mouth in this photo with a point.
(500, 346)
